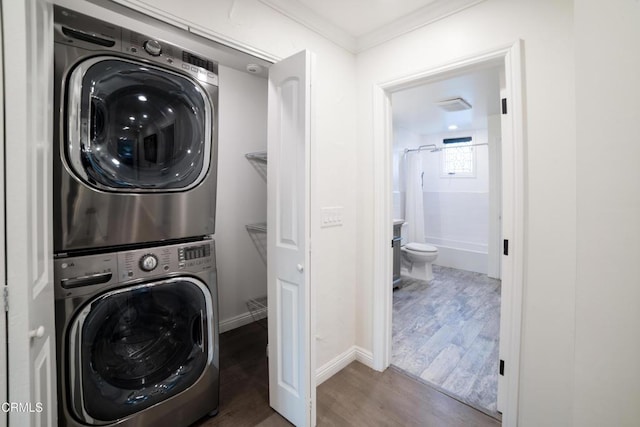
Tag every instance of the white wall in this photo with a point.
(241, 196)
(546, 383)
(333, 271)
(607, 373)
(456, 209)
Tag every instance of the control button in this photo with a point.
(194, 69)
(186, 67)
(166, 268)
(211, 75)
(153, 47)
(130, 274)
(148, 262)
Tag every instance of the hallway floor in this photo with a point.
(356, 396)
(446, 333)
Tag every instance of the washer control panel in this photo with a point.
(191, 257)
(89, 270)
(153, 47)
(148, 262)
(131, 265)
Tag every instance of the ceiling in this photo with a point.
(357, 25)
(359, 17)
(415, 109)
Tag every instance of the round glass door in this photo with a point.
(135, 127)
(141, 345)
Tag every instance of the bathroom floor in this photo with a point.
(446, 333)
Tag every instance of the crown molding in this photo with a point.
(426, 15)
(308, 18)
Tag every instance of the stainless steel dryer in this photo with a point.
(136, 135)
(137, 336)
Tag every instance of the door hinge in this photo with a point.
(505, 247)
(502, 367)
(504, 105)
(5, 296)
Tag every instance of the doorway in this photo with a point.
(446, 194)
(509, 60)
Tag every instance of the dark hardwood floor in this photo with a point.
(356, 396)
(360, 396)
(244, 380)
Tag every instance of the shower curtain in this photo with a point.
(414, 198)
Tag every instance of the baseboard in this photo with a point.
(237, 321)
(324, 372)
(341, 361)
(364, 356)
(462, 259)
(335, 365)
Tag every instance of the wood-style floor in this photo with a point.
(244, 380)
(356, 396)
(446, 332)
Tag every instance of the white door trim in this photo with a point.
(28, 84)
(3, 267)
(511, 56)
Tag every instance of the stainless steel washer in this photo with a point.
(137, 336)
(136, 137)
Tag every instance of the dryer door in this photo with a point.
(133, 127)
(134, 347)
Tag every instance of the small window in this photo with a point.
(458, 158)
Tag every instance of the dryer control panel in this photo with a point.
(86, 32)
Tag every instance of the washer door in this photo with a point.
(133, 127)
(134, 347)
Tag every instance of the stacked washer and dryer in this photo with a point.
(134, 207)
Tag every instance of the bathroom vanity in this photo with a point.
(397, 238)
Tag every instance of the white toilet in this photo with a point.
(417, 259)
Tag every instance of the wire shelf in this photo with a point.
(258, 308)
(260, 227)
(260, 156)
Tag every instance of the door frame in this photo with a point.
(28, 41)
(511, 58)
(4, 366)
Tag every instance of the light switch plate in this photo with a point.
(332, 216)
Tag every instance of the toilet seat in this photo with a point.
(420, 247)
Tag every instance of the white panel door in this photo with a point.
(28, 101)
(290, 367)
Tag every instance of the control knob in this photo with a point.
(153, 47)
(148, 262)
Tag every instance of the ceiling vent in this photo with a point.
(454, 104)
